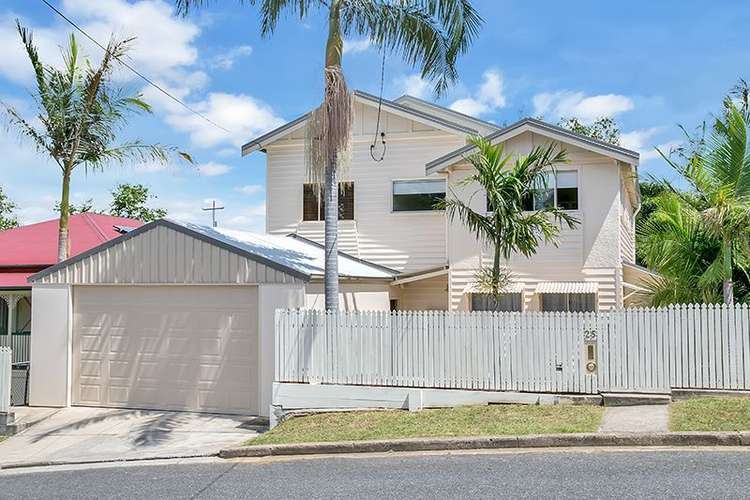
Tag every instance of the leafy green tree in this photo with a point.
(673, 241)
(129, 200)
(79, 116)
(86, 206)
(8, 218)
(509, 182)
(717, 169)
(430, 34)
(604, 129)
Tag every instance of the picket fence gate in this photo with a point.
(632, 350)
(5, 379)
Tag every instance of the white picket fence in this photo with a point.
(635, 350)
(5, 379)
(20, 343)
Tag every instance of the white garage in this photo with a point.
(178, 347)
(171, 316)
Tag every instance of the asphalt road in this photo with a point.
(538, 474)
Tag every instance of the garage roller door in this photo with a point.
(166, 347)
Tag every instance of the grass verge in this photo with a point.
(710, 414)
(492, 420)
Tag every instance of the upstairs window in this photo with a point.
(418, 195)
(558, 189)
(313, 202)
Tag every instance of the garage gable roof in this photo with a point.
(296, 258)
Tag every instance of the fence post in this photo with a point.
(5, 378)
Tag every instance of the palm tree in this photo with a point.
(718, 172)
(79, 116)
(430, 34)
(673, 241)
(509, 183)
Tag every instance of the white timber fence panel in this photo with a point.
(631, 350)
(5, 378)
(533, 352)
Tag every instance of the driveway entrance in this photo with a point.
(82, 434)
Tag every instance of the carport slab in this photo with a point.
(81, 434)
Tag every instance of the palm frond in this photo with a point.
(429, 34)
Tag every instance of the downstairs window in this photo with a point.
(507, 302)
(568, 302)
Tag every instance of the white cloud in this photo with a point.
(228, 58)
(642, 142)
(356, 46)
(413, 85)
(567, 104)
(251, 218)
(250, 189)
(212, 169)
(489, 97)
(244, 116)
(163, 46)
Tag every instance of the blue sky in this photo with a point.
(653, 65)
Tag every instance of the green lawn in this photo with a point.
(711, 414)
(492, 420)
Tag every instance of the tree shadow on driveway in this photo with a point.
(153, 428)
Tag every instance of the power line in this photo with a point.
(138, 73)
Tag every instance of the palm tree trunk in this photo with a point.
(728, 285)
(331, 237)
(62, 235)
(334, 48)
(496, 263)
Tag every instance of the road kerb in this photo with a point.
(496, 442)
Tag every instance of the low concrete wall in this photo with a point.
(291, 397)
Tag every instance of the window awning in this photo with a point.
(566, 287)
(515, 287)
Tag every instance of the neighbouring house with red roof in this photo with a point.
(29, 249)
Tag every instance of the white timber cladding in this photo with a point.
(405, 241)
(627, 225)
(164, 255)
(588, 253)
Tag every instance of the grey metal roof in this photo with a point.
(437, 164)
(260, 141)
(300, 258)
(478, 121)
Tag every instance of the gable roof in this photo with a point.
(289, 255)
(260, 143)
(541, 128)
(36, 244)
(483, 127)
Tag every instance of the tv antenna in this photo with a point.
(213, 208)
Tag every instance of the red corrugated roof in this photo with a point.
(35, 245)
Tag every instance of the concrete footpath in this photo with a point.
(645, 418)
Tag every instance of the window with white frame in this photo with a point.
(418, 194)
(568, 302)
(313, 202)
(559, 188)
(506, 302)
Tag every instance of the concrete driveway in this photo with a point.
(98, 434)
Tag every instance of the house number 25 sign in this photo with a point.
(589, 347)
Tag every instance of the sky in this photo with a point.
(651, 65)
